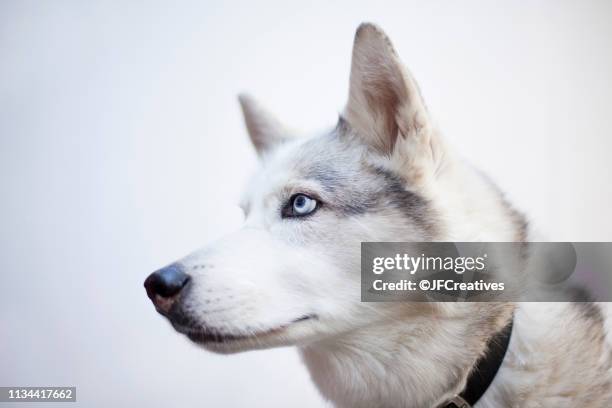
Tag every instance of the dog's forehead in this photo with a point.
(323, 163)
(324, 159)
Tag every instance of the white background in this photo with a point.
(122, 148)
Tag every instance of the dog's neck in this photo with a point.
(414, 363)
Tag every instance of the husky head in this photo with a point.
(291, 274)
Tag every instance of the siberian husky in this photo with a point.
(384, 173)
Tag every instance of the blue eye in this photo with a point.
(300, 205)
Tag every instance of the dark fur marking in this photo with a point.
(342, 127)
(583, 301)
(329, 178)
(413, 206)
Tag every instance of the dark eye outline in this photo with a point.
(287, 210)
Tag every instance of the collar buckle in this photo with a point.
(457, 402)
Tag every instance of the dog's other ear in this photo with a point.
(384, 100)
(264, 129)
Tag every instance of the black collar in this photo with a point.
(484, 372)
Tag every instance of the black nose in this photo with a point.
(166, 282)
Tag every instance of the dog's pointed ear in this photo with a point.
(384, 100)
(265, 130)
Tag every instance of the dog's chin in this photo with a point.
(293, 333)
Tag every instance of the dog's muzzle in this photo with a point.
(165, 285)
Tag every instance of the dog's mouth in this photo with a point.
(211, 336)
